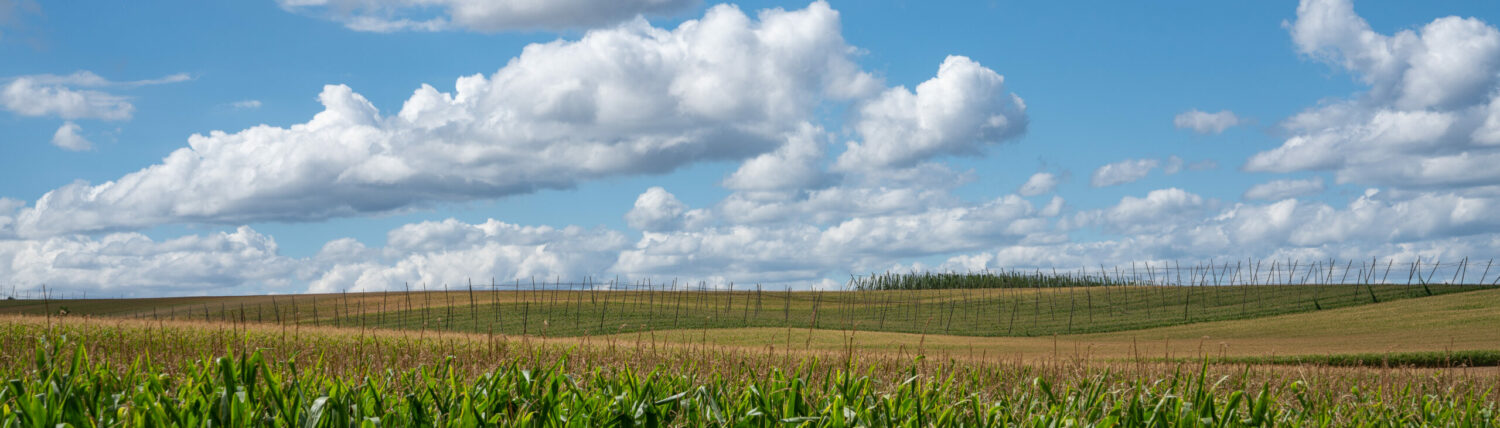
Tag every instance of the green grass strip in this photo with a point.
(1431, 359)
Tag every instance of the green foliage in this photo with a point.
(65, 388)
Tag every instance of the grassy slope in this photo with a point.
(1463, 321)
(989, 312)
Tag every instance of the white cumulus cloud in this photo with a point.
(1206, 123)
(1122, 172)
(1283, 189)
(657, 210)
(131, 264)
(482, 15)
(68, 138)
(60, 95)
(798, 251)
(246, 104)
(1173, 224)
(32, 96)
(1039, 183)
(453, 252)
(1429, 119)
(628, 100)
(796, 165)
(962, 109)
(1160, 209)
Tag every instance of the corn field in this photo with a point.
(128, 373)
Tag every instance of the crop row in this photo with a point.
(123, 373)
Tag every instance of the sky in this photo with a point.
(290, 146)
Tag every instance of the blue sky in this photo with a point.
(787, 143)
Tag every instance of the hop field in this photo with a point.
(556, 310)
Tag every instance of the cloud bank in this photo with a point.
(1430, 118)
(623, 101)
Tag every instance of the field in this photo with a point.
(553, 311)
(1088, 354)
